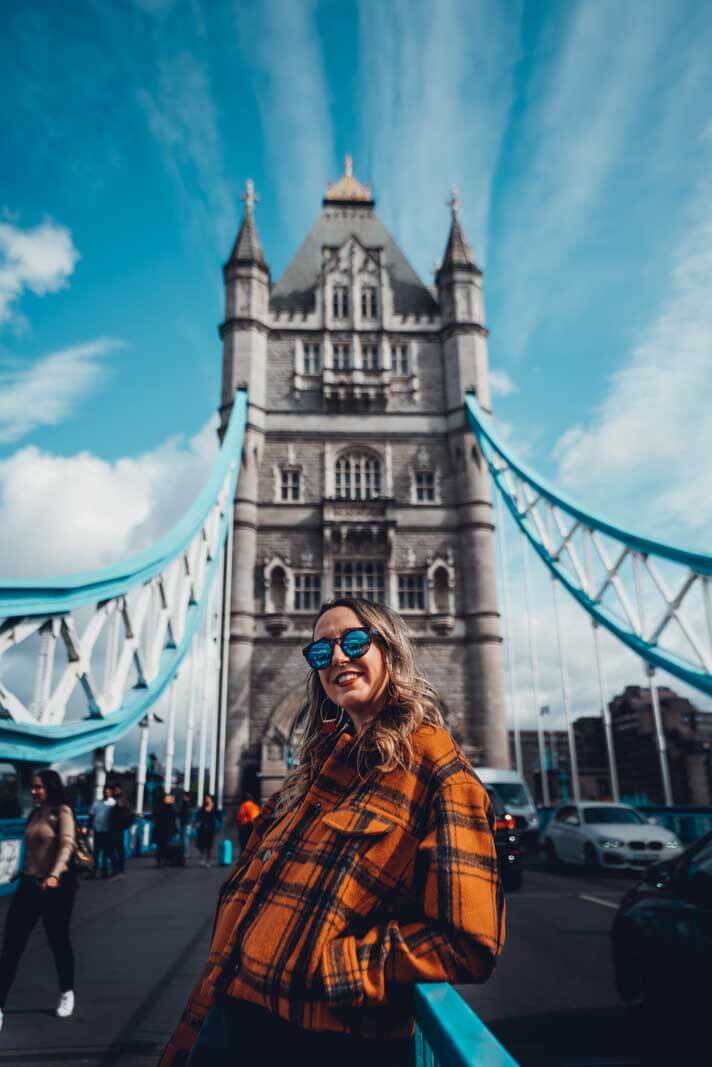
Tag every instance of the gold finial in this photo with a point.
(249, 196)
(348, 187)
(454, 201)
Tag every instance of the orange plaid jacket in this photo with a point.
(369, 885)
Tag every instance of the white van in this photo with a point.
(515, 795)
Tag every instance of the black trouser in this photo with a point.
(243, 833)
(30, 902)
(104, 851)
(238, 1034)
(119, 851)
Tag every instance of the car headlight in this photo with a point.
(610, 842)
(673, 844)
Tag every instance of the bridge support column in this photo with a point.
(170, 736)
(141, 768)
(103, 762)
(242, 616)
(485, 721)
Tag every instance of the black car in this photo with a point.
(662, 946)
(506, 839)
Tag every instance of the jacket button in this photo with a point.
(266, 854)
(317, 806)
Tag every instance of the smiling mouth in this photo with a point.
(346, 678)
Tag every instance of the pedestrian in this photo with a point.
(100, 822)
(205, 837)
(164, 828)
(186, 818)
(372, 868)
(246, 815)
(121, 819)
(47, 890)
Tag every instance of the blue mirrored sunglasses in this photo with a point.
(354, 643)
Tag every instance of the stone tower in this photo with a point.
(359, 475)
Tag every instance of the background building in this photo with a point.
(359, 475)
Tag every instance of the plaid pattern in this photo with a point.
(370, 885)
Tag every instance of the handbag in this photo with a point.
(82, 859)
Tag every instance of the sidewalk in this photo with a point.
(140, 943)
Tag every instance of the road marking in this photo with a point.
(597, 900)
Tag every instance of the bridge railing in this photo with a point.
(450, 1034)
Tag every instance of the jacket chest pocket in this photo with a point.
(371, 854)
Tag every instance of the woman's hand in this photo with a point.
(51, 882)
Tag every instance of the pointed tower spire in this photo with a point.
(458, 254)
(248, 247)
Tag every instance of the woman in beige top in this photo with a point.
(46, 890)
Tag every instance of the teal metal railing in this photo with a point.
(450, 1034)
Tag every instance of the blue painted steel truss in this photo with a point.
(654, 597)
(148, 609)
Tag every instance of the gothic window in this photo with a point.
(278, 591)
(411, 592)
(290, 483)
(441, 592)
(307, 591)
(369, 356)
(424, 486)
(358, 477)
(340, 302)
(312, 358)
(369, 303)
(359, 578)
(342, 357)
(400, 360)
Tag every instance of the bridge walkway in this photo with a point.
(139, 941)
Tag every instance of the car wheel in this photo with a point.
(513, 880)
(553, 863)
(591, 860)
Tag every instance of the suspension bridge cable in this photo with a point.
(509, 636)
(660, 741)
(534, 667)
(566, 694)
(190, 725)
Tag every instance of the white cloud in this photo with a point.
(183, 118)
(48, 391)
(435, 89)
(650, 442)
(500, 383)
(97, 511)
(280, 42)
(40, 259)
(573, 137)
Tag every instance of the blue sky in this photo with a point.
(579, 135)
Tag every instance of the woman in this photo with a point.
(205, 836)
(47, 890)
(373, 868)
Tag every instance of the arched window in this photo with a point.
(279, 590)
(441, 592)
(358, 476)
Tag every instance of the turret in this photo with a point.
(459, 283)
(247, 284)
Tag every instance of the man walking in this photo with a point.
(100, 823)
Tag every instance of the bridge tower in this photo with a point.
(466, 366)
(359, 472)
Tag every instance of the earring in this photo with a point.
(335, 718)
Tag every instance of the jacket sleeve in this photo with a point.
(65, 841)
(460, 929)
(178, 1049)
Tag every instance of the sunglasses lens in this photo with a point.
(319, 655)
(355, 643)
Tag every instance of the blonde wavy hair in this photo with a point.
(386, 743)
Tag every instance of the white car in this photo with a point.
(597, 834)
